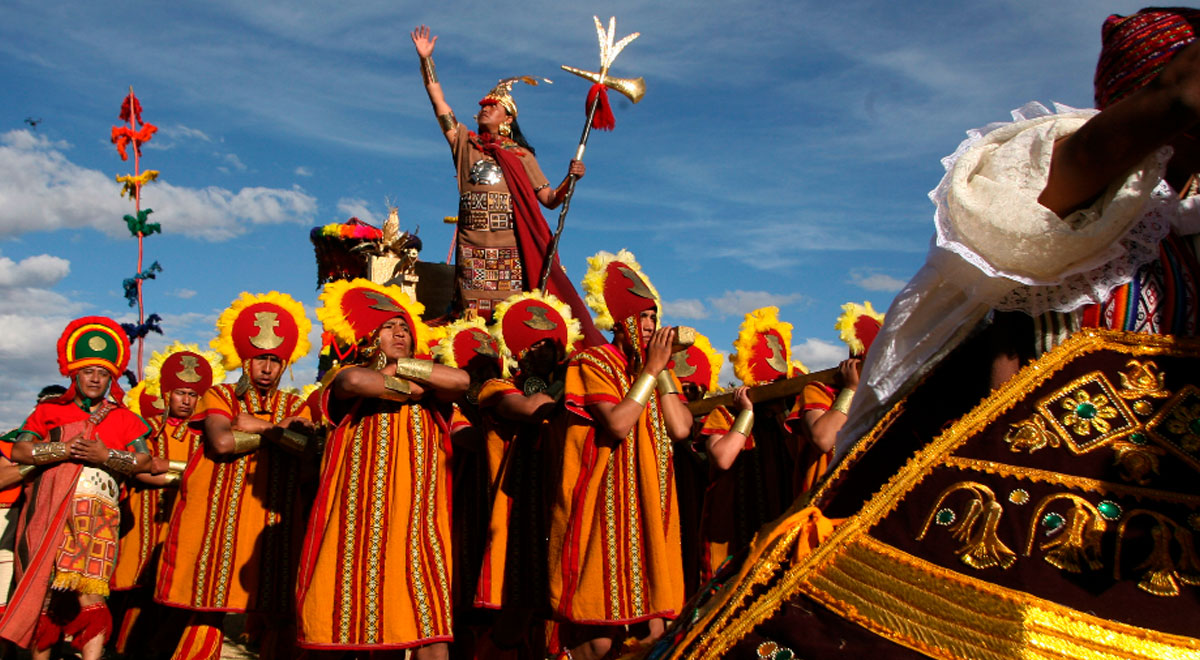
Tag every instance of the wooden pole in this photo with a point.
(776, 390)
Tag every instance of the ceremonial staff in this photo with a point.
(776, 390)
(599, 115)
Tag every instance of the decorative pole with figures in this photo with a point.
(599, 115)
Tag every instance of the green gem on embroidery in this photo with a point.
(944, 517)
(1085, 410)
(1194, 426)
(783, 654)
(1138, 438)
(1052, 522)
(1019, 496)
(1109, 510)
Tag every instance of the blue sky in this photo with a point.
(782, 154)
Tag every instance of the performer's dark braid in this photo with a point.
(519, 137)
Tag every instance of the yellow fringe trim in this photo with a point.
(79, 584)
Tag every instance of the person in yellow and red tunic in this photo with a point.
(757, 485)
(502, 239)
(820, 412)
(717, 438)
(521, 416)
(376, 567)
(614, 553)
(232, 544)
(181, 375)
(67, 534)
(466, 344)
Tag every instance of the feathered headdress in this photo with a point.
(617, 288)
(354, 309)
(467, 344)
(858, 325)
(143, 402)
(183, 365)
(262, 324)
(762, 351)
(524, 319)
(699, 364)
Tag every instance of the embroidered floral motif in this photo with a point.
(1177, 425)
(1141, 381)
(1031, 435)
(1088, 413)
(1075, 544)
(1163, 569)
(981, 548)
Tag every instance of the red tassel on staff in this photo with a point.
(603, 120)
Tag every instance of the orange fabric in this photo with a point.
(811, 462)
(201, 639)
(10, 495)
(614, 553)
(514, 564)
(234, 534)
(146, 510)
(376, 566)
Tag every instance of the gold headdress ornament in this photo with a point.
(858, 325)
(353, 309)
(465, 341)
(502, 92)
(262, 324)
(154, 367)
(762, 350)
(534, 321)
(613, 301)
(699, 363)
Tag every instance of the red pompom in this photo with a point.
(603, 120)
(131, 107)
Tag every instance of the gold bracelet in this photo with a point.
(296, 442)
(244, 442)
(447, 122)
(743, 423)
(121, 462)
(171, 478)
(24, 470)
(642, 389)
(414, 369)
(842, 402)
(666, 385)
(428, 71)
(398, 389)
(50, 452)
(176, 466)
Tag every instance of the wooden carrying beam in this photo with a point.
(776, 390)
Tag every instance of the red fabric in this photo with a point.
(248, 329)
(186, 369)
(533, 239)
(519, 335)
(93, 620)
(603, 120)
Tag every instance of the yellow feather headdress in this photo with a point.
(762, 350)
(262, 324)
(535, 316)
(353, 309)
(465, 341)
(616, 287)
(154, 367)
(699, 363)
(858, 325)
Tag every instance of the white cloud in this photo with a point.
(42, 190)
(740, 302)
(183, 293)
(351, 207)
(876, 281)
(303, 171)
(41, 270)
(818, 354)
(232, 164)
(687, 308)
(168, 137)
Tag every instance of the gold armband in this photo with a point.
(642, 388)
(447, 122)
(666, 385)
(398, 389)
(428, 71)
(842, 402)
(294, 441)
(244, 442)
(176, 466)
(50, 452)
(121, 462)
(414, 369)
(24, 470)
(743, 423)
(171, 478)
